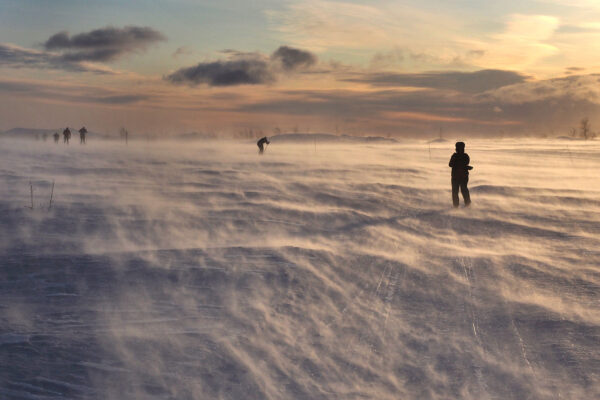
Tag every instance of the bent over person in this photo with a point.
(459, 162)
(261, 144)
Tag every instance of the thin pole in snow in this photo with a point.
(51, 196)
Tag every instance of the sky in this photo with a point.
(379, 67)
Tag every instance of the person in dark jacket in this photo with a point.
(459, 162)
(66, 135)
(261, 144)
(82, 133)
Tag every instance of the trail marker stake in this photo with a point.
(51, 196)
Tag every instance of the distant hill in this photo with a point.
(568, 138)
(32, 133)
(438, 140)
(327, 137)
(195, 136)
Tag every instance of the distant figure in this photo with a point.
(56, 136)
(66, 135)
(124, 134)
(261, 144)
(459, 162)
(45, 136)
(82, 133)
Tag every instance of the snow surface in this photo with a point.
(340, 271)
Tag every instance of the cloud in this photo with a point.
(16, 56)
(409, 60)
(343, 103)
(528, 105)
(583, 88)
(292, 59)
(79, 52)
(354, 30)
(573, 70)
(224, 73)
(104, 44)
(69, 93)
(589, 4)
(319, 25)
(181, 51)
(468, 82)
(19, 57)
(243, 68)
(120, 99)
(525, 41)
(578, 29)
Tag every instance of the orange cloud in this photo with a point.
(427, 117)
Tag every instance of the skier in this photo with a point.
(459, 162)
(261, 144)
(66, 135)
(82, 133)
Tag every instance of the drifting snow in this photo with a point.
(330, 271)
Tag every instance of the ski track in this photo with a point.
(471, 312)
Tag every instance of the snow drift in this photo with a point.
(194, 271)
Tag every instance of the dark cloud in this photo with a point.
(14, 56)
(121, 99)
(573, 70)
(105, 44)
(224, 73)
(243, 68)
(100, 55)
(466, 82)
(19, 57)
(292, 59)
(62, 51)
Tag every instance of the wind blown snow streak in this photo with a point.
(204, 271)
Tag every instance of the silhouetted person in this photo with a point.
(459, 162)
(82, 133)
(45, 136)
(56, 136)
(261, 144)
(66, 135)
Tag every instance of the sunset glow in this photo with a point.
(378, 67)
